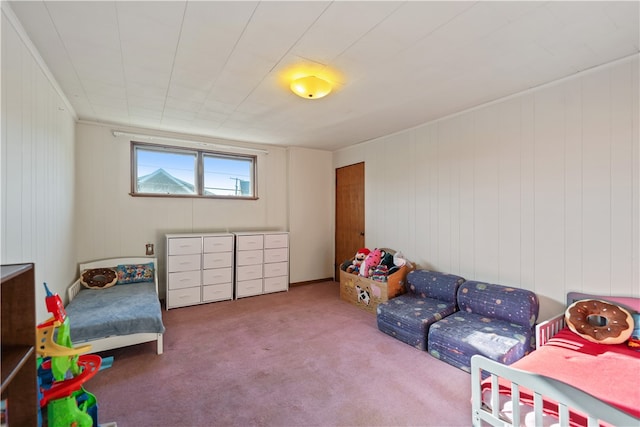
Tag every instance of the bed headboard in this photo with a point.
(631, 303)
(113, 262)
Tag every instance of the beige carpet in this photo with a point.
(297, 358)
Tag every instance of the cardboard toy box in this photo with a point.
(366, 293)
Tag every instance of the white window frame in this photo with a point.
(199, 171)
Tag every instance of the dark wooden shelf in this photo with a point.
(18, 328)
(10, 271)
(13, 359)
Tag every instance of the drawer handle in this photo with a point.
(185, 280)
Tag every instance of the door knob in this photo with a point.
(362, 233)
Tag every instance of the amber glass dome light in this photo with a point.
(311, 87)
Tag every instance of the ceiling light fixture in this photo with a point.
(311, 87)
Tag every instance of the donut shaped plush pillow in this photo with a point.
(98, 278)
(599, 321)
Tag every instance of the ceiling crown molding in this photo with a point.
(22, 34)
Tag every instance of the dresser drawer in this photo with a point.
(185, 279)
(249, 288)
(276, 284)
(249, 257)
(249, 272)
(182, 297)
(217, 260)
(216, 276)
(217, 292)
(276, 241)
(276, 255)
(184, 263)
(184, 246)
(276, 269)
(217, 244)
(250, 242)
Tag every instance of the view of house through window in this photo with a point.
(172, 171)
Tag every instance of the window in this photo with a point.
(171, 171)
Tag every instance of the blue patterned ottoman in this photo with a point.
(495, 321)
(430, 297)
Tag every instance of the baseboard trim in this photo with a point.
(310, 282)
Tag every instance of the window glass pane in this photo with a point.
(228, 176)
(165, 172)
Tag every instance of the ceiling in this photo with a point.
(218, 69)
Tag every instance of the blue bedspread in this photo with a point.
(118, 310)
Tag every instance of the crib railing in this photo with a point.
(547, 329)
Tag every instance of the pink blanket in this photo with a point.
(609, 372)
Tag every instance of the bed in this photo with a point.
(120, 315)
(566, 381)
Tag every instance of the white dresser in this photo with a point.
(262, 262)
(199, 268)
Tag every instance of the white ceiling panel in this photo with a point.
(611, 47)
(146, 113)
(161, 15)
(220, 68)
(102, 88)
(93, 22)
(513, 10)
(192, 82)
(472, 24)
(211, 116)
(145, 74)
(188, 94)
(335, 30)
(415, 20)
(275, 27)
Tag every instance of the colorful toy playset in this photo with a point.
(62, 371)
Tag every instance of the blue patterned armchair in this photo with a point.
(430, 297)
(493, 320)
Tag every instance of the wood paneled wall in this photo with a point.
(112, 223)
(38, 183)
(295, 189)
(538, 191)
(311, 214)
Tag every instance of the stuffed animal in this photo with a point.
(387, 258)
(354, 268)
(399, 259)
(380, 273)
(370, 263)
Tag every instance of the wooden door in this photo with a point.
(349, 213)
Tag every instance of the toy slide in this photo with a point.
(47, 347)
(89, 364)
